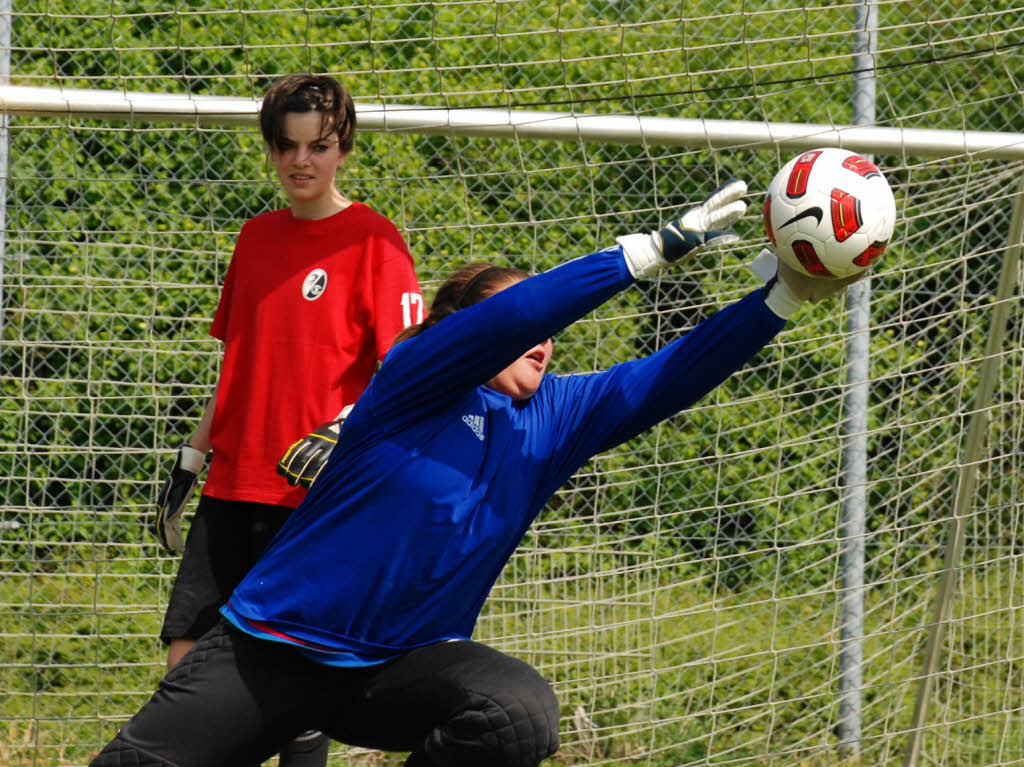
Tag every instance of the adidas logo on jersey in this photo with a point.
(476, 423)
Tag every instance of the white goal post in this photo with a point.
(529, 124)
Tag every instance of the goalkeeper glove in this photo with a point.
(696, 230)
(303, 461)
(174, 495)
(787, 289)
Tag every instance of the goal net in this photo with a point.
(684, 594)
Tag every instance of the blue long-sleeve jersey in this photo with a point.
(436, 478)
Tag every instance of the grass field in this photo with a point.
(673, 673)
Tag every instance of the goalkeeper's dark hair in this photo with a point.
(308, 93)
(468, 285)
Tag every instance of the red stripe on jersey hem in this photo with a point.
(264, 628)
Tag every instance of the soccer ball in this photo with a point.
(829, 213)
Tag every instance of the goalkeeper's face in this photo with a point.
(522, 378)
(306, 163)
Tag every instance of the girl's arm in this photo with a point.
(611, 407)
(473, 345)
(470, 347)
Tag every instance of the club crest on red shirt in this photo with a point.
(314, 285)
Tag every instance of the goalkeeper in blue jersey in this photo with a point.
(357, 619)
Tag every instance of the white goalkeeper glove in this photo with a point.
(696, 230)
(787, 289)
(174, 496)
(303, 461)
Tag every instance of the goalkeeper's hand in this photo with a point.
(174, 495)
(697, 229)
(787, 289)
(303, 461)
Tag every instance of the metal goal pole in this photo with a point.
(855, 427)
(527, 124)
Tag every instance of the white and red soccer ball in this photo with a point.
(829, 213)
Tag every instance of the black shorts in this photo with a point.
(224, 542)
(236, 700)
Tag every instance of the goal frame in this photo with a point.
(654, 131)
(527, 124)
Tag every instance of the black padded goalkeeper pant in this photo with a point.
(235, 700)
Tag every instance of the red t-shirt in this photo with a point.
(307, 310)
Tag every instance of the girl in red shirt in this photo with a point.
(313, 297)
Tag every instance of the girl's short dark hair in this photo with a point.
(308, 93)
(468, 285)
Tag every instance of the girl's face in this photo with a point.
(306, 164)
(522, 378)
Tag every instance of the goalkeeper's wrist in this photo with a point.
(777, 294)
(191, 459)
(780, 299)
(642, 254)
